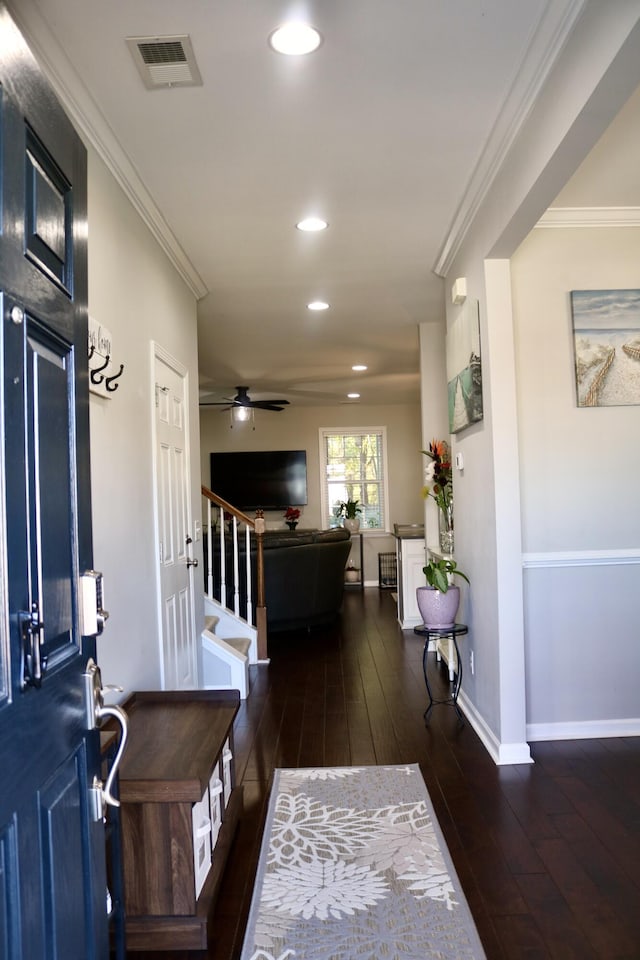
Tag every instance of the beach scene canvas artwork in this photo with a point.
(464, 372)
(606, 330)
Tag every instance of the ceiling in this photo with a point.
(384, 131)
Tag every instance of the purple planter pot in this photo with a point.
(438, 610)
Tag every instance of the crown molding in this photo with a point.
(557, 217)
(93, 128)
(546, 44)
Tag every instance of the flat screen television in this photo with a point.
(260, 479)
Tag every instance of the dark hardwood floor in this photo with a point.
(548, 854)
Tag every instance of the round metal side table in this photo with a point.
(436, 634)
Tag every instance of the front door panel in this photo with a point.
(52, 861)
(49, 400)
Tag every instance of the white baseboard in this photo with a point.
(502, 754)
(584, 729)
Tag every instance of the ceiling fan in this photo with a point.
(242, 399)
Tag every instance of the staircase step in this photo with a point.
(241, 644)
(210, 623)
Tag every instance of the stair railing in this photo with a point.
(217, 512)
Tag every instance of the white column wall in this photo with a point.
(580, 517)
(139, 296)
(597, 70)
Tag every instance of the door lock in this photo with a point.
(93, 616)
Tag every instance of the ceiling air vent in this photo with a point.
(165, 61)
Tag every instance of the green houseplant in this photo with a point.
(349, 510)
(439, 600)
(439, 572)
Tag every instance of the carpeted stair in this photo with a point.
(225, 661)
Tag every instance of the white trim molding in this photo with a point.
(567, 217)
(581, 558)
(547, 43)
(501, 753)
(584, 729)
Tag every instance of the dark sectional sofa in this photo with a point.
(304, 576)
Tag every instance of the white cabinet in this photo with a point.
(411, 557)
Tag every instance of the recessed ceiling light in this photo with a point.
(318, 305)
(353, 396)
(312, 225)
(359, 367)
(295, 39)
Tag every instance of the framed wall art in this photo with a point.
(606, 337)
(464, 370)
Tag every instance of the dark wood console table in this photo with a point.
(179, 812)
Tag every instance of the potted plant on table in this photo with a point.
(291, 516)
(439, 599)
(349, 510)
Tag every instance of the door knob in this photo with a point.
(192, 563)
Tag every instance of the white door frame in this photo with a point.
(158, 353)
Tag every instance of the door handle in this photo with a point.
(96, 713)
(192, 563)
(34, 663)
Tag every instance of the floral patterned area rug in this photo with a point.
(354, 866)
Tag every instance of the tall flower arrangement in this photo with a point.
(437, 475)
(439, 486)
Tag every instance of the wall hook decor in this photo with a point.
(104, 375)
(110, 382)
(97, 377)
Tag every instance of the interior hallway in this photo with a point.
(548, 854)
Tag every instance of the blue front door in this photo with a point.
(52, 861)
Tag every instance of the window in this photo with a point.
(353, 466)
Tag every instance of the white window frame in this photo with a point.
(326, 511)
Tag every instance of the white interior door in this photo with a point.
(173, 486)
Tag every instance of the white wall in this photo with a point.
(596, 72)
(580, 519)
(138, 295)
(297, 428)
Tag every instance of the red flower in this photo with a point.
(292, 513)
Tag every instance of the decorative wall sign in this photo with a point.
(103, 373)
(606, 337)
(464, 371)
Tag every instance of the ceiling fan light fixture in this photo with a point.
(241, 414)
(295, 39)
(318, 305)
(312, 225)
(359, 367)
(353, 396)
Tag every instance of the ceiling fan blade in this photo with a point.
(242, 399)
(267, 404)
